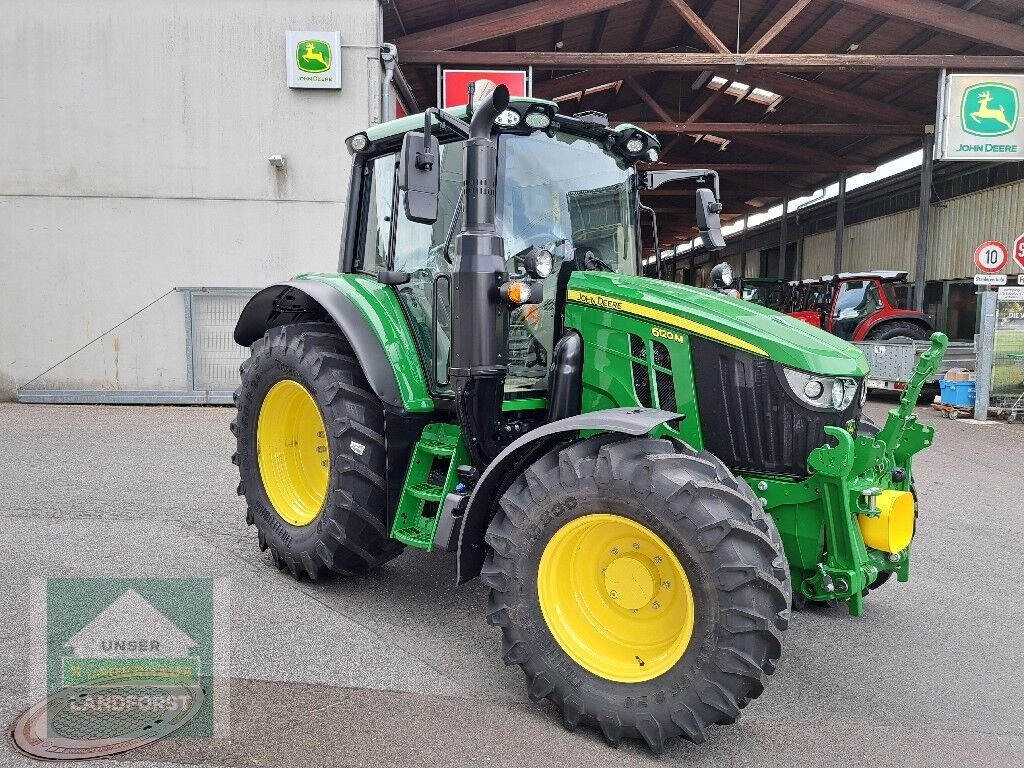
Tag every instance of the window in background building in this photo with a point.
(934, 300)
(962, 311)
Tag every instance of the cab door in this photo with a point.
(424, 252)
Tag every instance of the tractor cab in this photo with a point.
(565, 199)
(858, 306)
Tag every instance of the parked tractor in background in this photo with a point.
(644, 474)
(858, 306)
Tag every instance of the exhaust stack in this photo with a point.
(479, 314)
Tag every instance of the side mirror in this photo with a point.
(419, 176)
(708, 220)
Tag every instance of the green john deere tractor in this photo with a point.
(646, 475)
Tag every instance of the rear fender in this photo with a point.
(300, 301)
(905, 315)
(514, 460)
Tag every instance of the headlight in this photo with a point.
(821, 392)
(359, 142)
(538, 263)
(652, 155)
(508, 119)
(635, 145)
(727, 274)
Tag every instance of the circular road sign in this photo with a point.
(991, 257)
(1018, 251)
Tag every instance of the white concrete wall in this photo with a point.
(134, 139)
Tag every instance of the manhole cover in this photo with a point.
(95, 721)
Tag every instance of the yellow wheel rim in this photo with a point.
(291, 444)
(616, 598)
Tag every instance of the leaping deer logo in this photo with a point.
(313, 56)
(989, 109)
(985, 112)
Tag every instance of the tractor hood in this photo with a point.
(730, 321)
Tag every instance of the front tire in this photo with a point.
(311, 454)
(647, 507)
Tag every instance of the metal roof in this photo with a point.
(842, 85)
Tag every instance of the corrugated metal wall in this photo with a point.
(819, 254)
(956, 228)
(961, 224)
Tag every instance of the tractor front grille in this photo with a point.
(749, 418)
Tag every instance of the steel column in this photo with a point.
(840, 224)
(986, 348)
(783, 238)
(923, 217)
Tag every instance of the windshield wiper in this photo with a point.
(591, 260)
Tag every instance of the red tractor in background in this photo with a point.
(857, 306)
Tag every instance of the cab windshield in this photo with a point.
(568, 194)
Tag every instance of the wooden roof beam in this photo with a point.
(823, 95)
(796, 168)
(787, 129)
(948, 19)
(699, 62)
(783, 22)
(489, 26)
(697, 24)
(649, 100)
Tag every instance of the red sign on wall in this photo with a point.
(1018, 251)
(455, 83)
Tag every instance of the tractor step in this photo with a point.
(431, 477)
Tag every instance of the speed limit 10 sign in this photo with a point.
(991, 257)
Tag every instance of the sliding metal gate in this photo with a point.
(211, 357)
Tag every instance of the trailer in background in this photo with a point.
(892, 362)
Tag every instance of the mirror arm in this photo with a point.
(425, 158)
(657, 245)
(654, 179)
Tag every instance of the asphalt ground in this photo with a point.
(399, 668)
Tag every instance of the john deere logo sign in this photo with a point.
(989, 109)
(313, 56)
(980, 118)
(309, 56)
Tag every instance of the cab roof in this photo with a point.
(395, 129)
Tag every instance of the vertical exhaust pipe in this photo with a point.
(479, 314)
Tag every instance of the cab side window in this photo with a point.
(418, 249)
(378, 202)
(857, 300)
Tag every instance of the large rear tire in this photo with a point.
(311, 455)
(599, 550)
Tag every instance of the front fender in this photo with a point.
(512, 461)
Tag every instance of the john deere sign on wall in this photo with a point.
(313, 59)
(980, 118)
